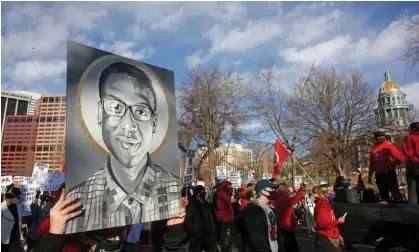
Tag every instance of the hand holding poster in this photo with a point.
(5, 181)
(298, 180)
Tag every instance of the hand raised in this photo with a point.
(63, 211)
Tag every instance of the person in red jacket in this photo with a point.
(383, 160)
(411, 150)
(225, 216)
(287, 219)
(243, 199)
(327, 238)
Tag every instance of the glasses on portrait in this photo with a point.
(119, 109)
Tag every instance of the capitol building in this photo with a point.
(392, 108)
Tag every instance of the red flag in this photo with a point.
(281, 154)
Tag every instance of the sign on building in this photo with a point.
(189, 168)
(234, 178)
(221, 172)
(5, 181)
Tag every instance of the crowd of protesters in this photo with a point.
(258, 217)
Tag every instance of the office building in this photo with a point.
(34, 99)
(18, 145)
(50, 143)
(13, 103)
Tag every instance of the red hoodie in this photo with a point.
(243, 200)
(285, 212)
(224, 211)
(324, 217)
(384, 157)
(411, 147)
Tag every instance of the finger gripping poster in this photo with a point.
(122, 151)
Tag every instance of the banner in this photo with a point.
(221, 172)
(40, 172)
(298, 180)
(234, 178)
(189, 168)
(28, 194)
(52, 182)
(5, 181)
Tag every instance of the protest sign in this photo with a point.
(309, 205)
(234, 178)
(298, 180)
(267, 176)
(189, 168)
(28, 194)
(250, 176)
(21, 179)
(5, 181)
(52, 182)
(40, 172)
(221, 172)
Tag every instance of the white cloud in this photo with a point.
(25, 73)
(198, 58)
(385, 46)
(254, 34)
(412, 93)
(253, 126)
(126, 49)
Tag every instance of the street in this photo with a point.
(306, 244)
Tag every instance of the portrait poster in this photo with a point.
(122, 149)
(28, 194)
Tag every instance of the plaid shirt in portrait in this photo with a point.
(106, 205)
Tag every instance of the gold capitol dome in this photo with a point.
(389, 86)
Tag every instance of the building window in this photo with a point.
(45, 99)
(12, 148)
(43, 119)
(11, 106)
(38, 148)
(58, 99)
(49, 119)
(51, 100)
(64, 99)
(10, 119)
(62, 118)
(6, 148)
(16, 120)
(19, 148)
(22, 108)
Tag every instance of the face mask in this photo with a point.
(331, 196)
(108, 246)
(272, 195)
(16, 201)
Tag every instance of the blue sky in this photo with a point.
(179, 35)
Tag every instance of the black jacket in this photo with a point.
(199, 220)
(253, 227)
(175, 240)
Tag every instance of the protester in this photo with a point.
(287, 219)
(411, 149)
(11, 220)
(258, 222)
(199, 223)
(383, 160)
(235, 202)
(243, 198)
(225, 217)
(327, 238)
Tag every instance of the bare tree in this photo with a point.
(334, 110)
(411, 52)
(276, 109)
(211, 112)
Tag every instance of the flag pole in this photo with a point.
(303, 170)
